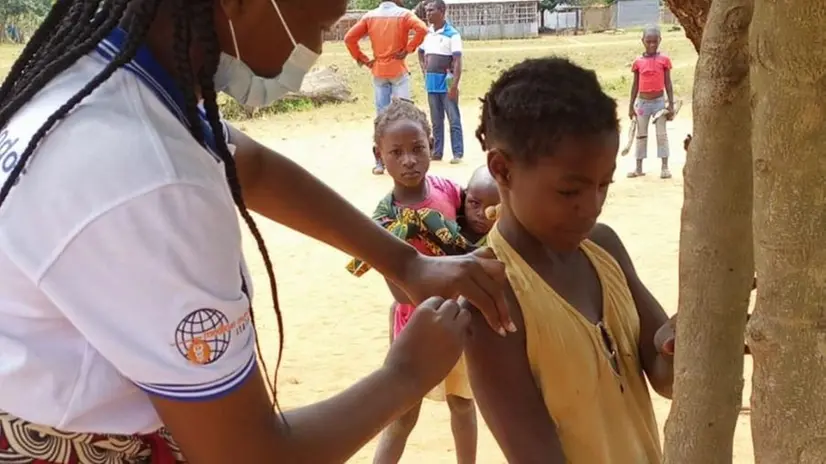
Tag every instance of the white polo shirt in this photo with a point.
(120, 257)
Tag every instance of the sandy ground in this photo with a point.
(336, 325)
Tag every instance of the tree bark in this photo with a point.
(716, 252)
(787, 332)
(692, 15)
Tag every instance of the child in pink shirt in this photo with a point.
(652, 83)
(422, 210)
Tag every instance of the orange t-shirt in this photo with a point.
(652, 72)
(388, 27)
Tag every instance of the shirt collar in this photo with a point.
(149, 71)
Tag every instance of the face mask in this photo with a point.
(236, 79)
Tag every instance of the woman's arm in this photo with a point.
(283, 191)
(278, 188)
(241, 426)
(179, 327)
(659, 367)
(508, 398)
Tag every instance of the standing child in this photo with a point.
(421, 209)
(570, 385)
(652, 83)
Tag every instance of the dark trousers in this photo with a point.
(441, 105)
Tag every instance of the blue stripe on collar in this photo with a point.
(150, 72)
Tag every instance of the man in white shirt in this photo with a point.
(440, 58)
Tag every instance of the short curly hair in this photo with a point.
(538, 101)
(400, 109)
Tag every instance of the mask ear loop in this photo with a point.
(234, 40)
(283, 22)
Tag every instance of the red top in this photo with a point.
(651, 70)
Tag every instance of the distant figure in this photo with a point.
(440, 57)
(652, 83)
(12, 32)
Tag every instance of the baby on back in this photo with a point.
(479, 196)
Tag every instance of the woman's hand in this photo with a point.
(430, 344)
(478, 276)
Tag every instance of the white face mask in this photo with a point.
(236, 79)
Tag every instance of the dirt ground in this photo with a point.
(336, 325)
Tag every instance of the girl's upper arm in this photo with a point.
(503, 386)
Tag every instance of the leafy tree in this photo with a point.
(548, 5)
(364, 4)
(22, 13)
(10, 9)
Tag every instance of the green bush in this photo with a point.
(230, 109)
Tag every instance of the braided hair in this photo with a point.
(538, 101)
(73, 29)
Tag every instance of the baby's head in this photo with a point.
(551, 136)
(481, 194)
(651, 39)
(403, 140)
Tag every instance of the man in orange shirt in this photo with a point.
(388, 27)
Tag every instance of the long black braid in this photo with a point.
(203, 22)
(73, 28)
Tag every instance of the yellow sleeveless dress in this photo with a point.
(602, 417)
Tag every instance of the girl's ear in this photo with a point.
(499, 166)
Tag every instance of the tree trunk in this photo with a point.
(787, 332)
(716, 253)
(692, 15)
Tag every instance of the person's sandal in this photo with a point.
(633, 174)
(665, 174)
(378, 170)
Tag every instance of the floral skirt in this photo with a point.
(22, 442)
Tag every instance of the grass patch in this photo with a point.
(231, 109)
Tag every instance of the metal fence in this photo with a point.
(495, 20)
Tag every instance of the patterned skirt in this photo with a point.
(22, 442)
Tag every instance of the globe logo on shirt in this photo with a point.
(203, 336)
